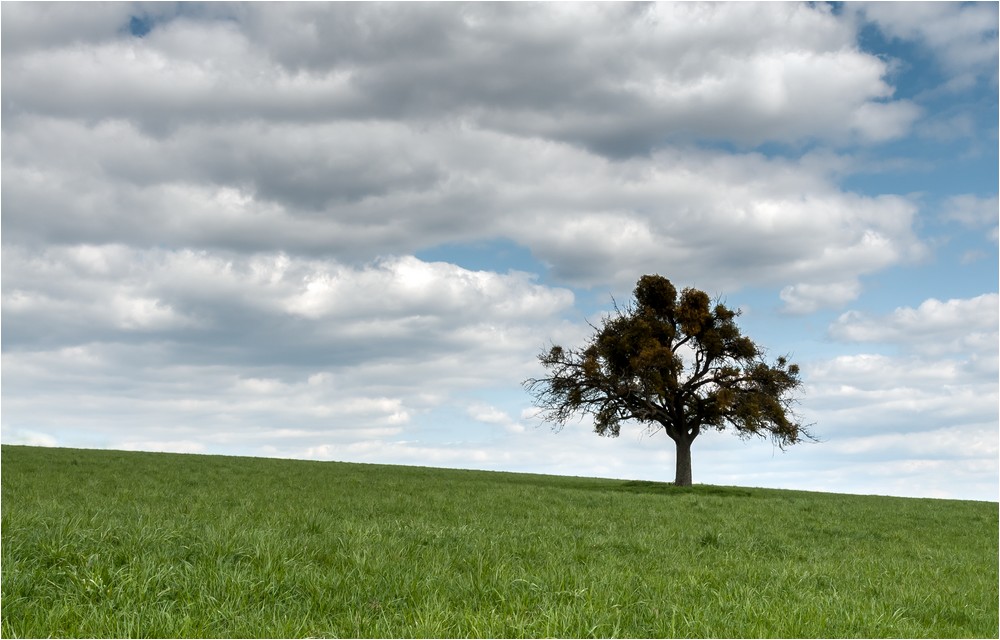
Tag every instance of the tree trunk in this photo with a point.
(683, 476)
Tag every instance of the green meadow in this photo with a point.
(116, 544)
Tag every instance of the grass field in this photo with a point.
(114, 544)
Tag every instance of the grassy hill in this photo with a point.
(107, 543)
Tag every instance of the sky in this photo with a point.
(345, 231)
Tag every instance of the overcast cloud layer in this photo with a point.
(343, 231)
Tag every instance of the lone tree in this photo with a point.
(680, 365)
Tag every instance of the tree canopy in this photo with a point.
(674, 363)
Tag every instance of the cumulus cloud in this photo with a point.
(973, 212)
(491, 415)
(924, 409)
(807, 298)
(29, 438)
(915, 425)
(283, 309)
(901, 390)
(935, 327)
(963, 34)
(32, 26)
(233, 348)
(714, 219)
(947, 364)
(356, 131)
(356, 191)
(505, 68)
(968, 442)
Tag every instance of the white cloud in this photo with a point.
(113, 288)
(807, 298)
(911, 425)
(935, 327)
(394, 189)
(423, 290)
(937, 399)
(170, 446)
(963, 34)
(28, 26)
(29, 438)
(973, 212)
(359, 357)
(970, 441)
(105, 398)
(797, 74)
(491, 415)
(139, 313)
(818, 468)
(884, 121)
(950, 128)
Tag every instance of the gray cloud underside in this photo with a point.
(354, 191)
(354, 131)
(619, 78)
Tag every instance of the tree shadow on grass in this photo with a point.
(669, 488)
(629, 486)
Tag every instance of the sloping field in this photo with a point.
(113, 544)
